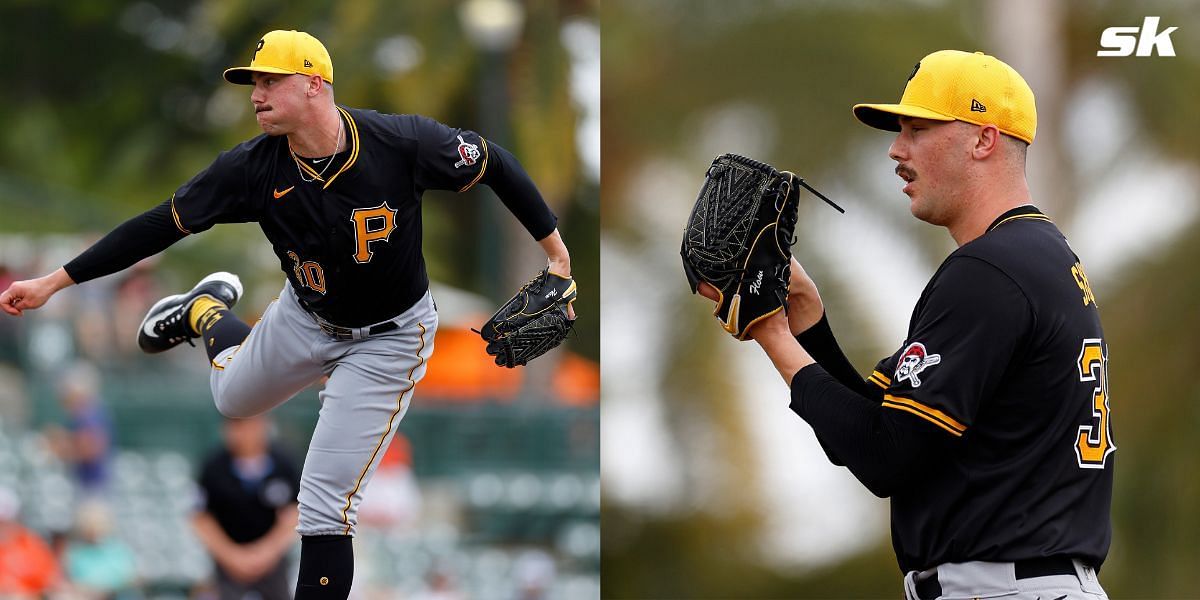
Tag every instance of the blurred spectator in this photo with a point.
(85, 443)
(14, 396)
(135, 292)
(440, 585)
(576, 381)
(96, 564)
(9, 344)
(6, 276)
(14, 402)
(27, 566)
(91, 312)
(394, 503)
(534, 572)
(248, 516)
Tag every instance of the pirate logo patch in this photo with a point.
(912, 361)
(467, 152)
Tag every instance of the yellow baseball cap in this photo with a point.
(950, 85)
(285, 52)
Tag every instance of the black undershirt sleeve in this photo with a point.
(516, 190)
(884, 449)
(144, 235)
(820, 343)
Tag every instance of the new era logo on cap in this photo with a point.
(977, 106)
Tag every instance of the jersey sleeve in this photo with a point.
(448, 158)
(144, 235)
(881, 376)
(821, 344)
(965, 332)
(516, 190)
(218, 194)
(884, 449)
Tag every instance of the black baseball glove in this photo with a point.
(739, 239)
(532, 322)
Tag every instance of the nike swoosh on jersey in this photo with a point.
(279, 194)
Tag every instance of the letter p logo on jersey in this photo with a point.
(1147, 40)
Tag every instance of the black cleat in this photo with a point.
(166, 325)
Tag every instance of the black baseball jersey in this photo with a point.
(245, 504)
(1005, 354)
(348, 239)
(347, 228)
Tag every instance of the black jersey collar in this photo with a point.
(1027, 211)
(352, 143)
(352, 138)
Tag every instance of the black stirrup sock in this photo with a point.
(326, 567)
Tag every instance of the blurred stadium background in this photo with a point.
(712, 487)
(111, 105)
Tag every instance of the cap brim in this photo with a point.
(242, 75)
(887, 116)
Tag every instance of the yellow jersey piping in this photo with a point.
(175, 214)
(1039, 217)
(879, 379)
(353, 128)
(303, 165)
(483, 142)
(928, 413)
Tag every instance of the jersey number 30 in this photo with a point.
(1095, 442)
(309, 274)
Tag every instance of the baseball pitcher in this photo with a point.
(990, 426)
(337, 192)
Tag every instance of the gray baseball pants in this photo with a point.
(370, 387)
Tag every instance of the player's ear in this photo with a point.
(987, 140)
(315, 85)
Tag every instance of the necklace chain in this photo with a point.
(321, 175)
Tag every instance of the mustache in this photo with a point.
(906, 173)
(261, 107)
